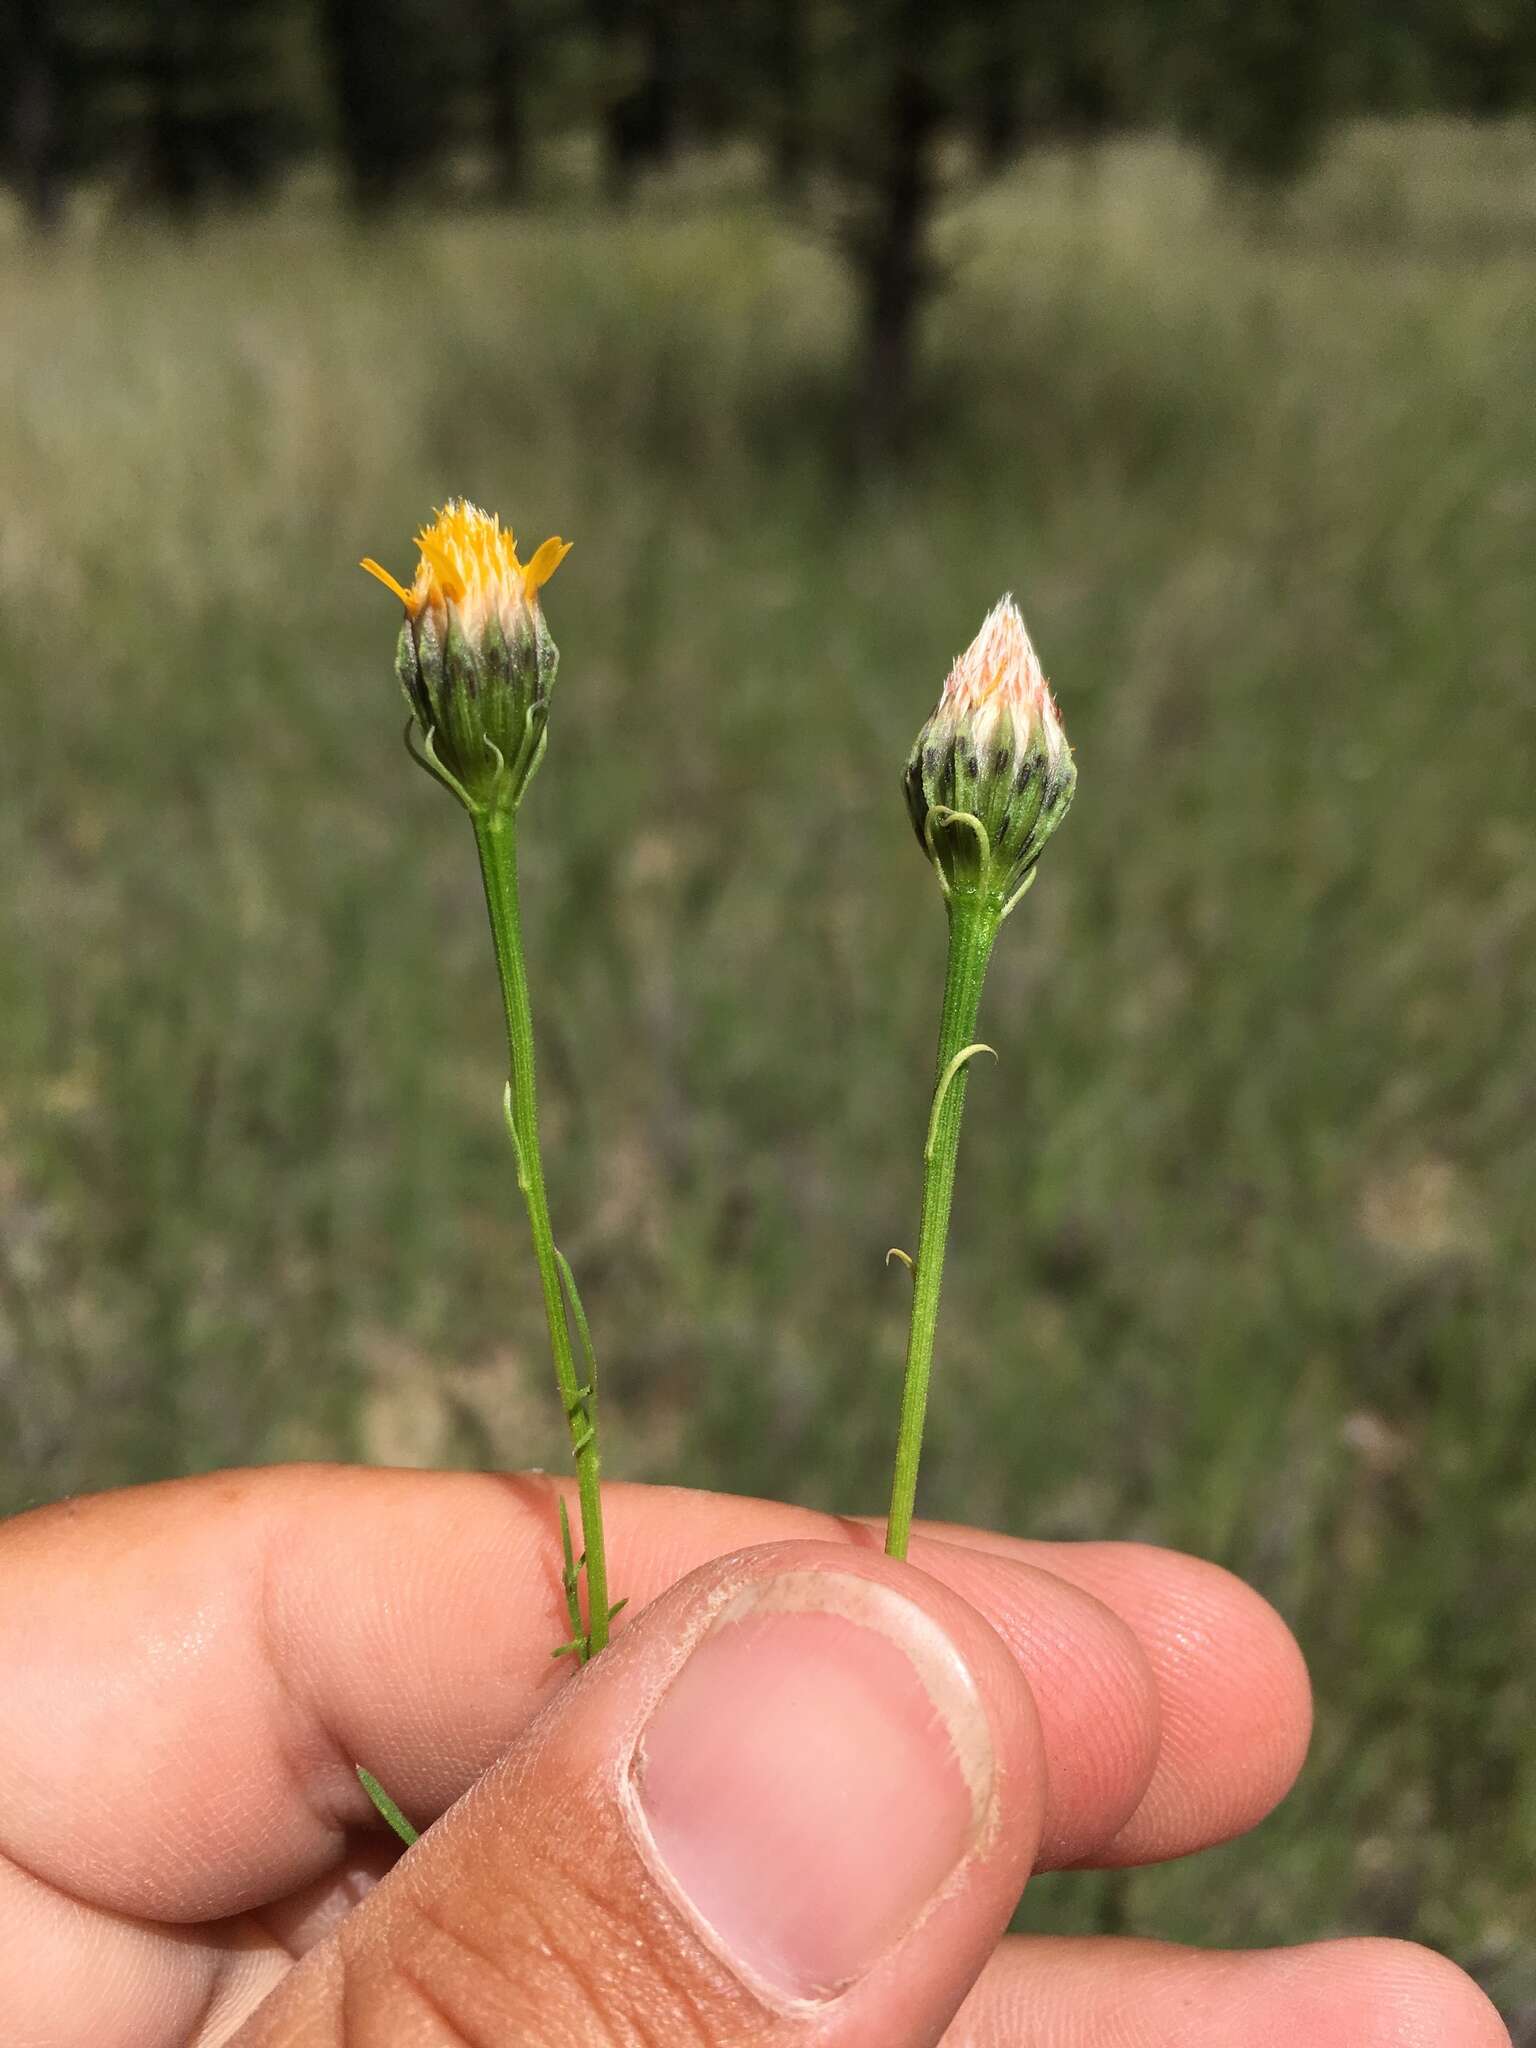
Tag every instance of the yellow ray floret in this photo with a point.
(468, 560)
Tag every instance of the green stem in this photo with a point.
(973, 926)
(496, 840)
(387, 1807)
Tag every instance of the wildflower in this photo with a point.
(991, 775)
(987, 784)
(475, 658)
(477, 663)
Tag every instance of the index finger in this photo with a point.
(196, 1667)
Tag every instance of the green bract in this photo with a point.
(991, 775)
(479, 695)
(475, 658)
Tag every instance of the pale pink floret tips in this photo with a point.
(999, 677)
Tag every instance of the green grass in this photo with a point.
(1242, 1256)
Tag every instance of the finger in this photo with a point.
(71, 1974)
(261, 1632)
(1097, 1993)
(305, 1917)
(1234, 1699)
(1236, 1704)
(794, 1803)
(219, 1654)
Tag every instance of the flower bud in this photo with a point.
(993, 756)
(475, 658)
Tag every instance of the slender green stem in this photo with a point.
(496, 839)
(973, 925)
(387, 1807)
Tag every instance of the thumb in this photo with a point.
(794, 1802)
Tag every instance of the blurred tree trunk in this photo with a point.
(891, 251)
(998, 119)
(506, 56)
(611, 25)
(172, 170)
(787, 67)
(388, 120)
(642, 50)
(36, 132)
(663, 46)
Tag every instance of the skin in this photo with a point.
(186, 1858)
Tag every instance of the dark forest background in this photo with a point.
(867, 111)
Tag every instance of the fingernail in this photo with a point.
(813, 1777)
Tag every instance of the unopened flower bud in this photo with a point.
(475, 658)
(991, 775)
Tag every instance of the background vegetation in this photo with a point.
(1243, 1239)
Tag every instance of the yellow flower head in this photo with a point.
(475, 657)
(469, 562)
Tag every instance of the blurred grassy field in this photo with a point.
(1243, 1238)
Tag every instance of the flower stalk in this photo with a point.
(476, 662)
(988, 782)
(496, 843)
(973, 927)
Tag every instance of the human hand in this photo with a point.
(794, 1803)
